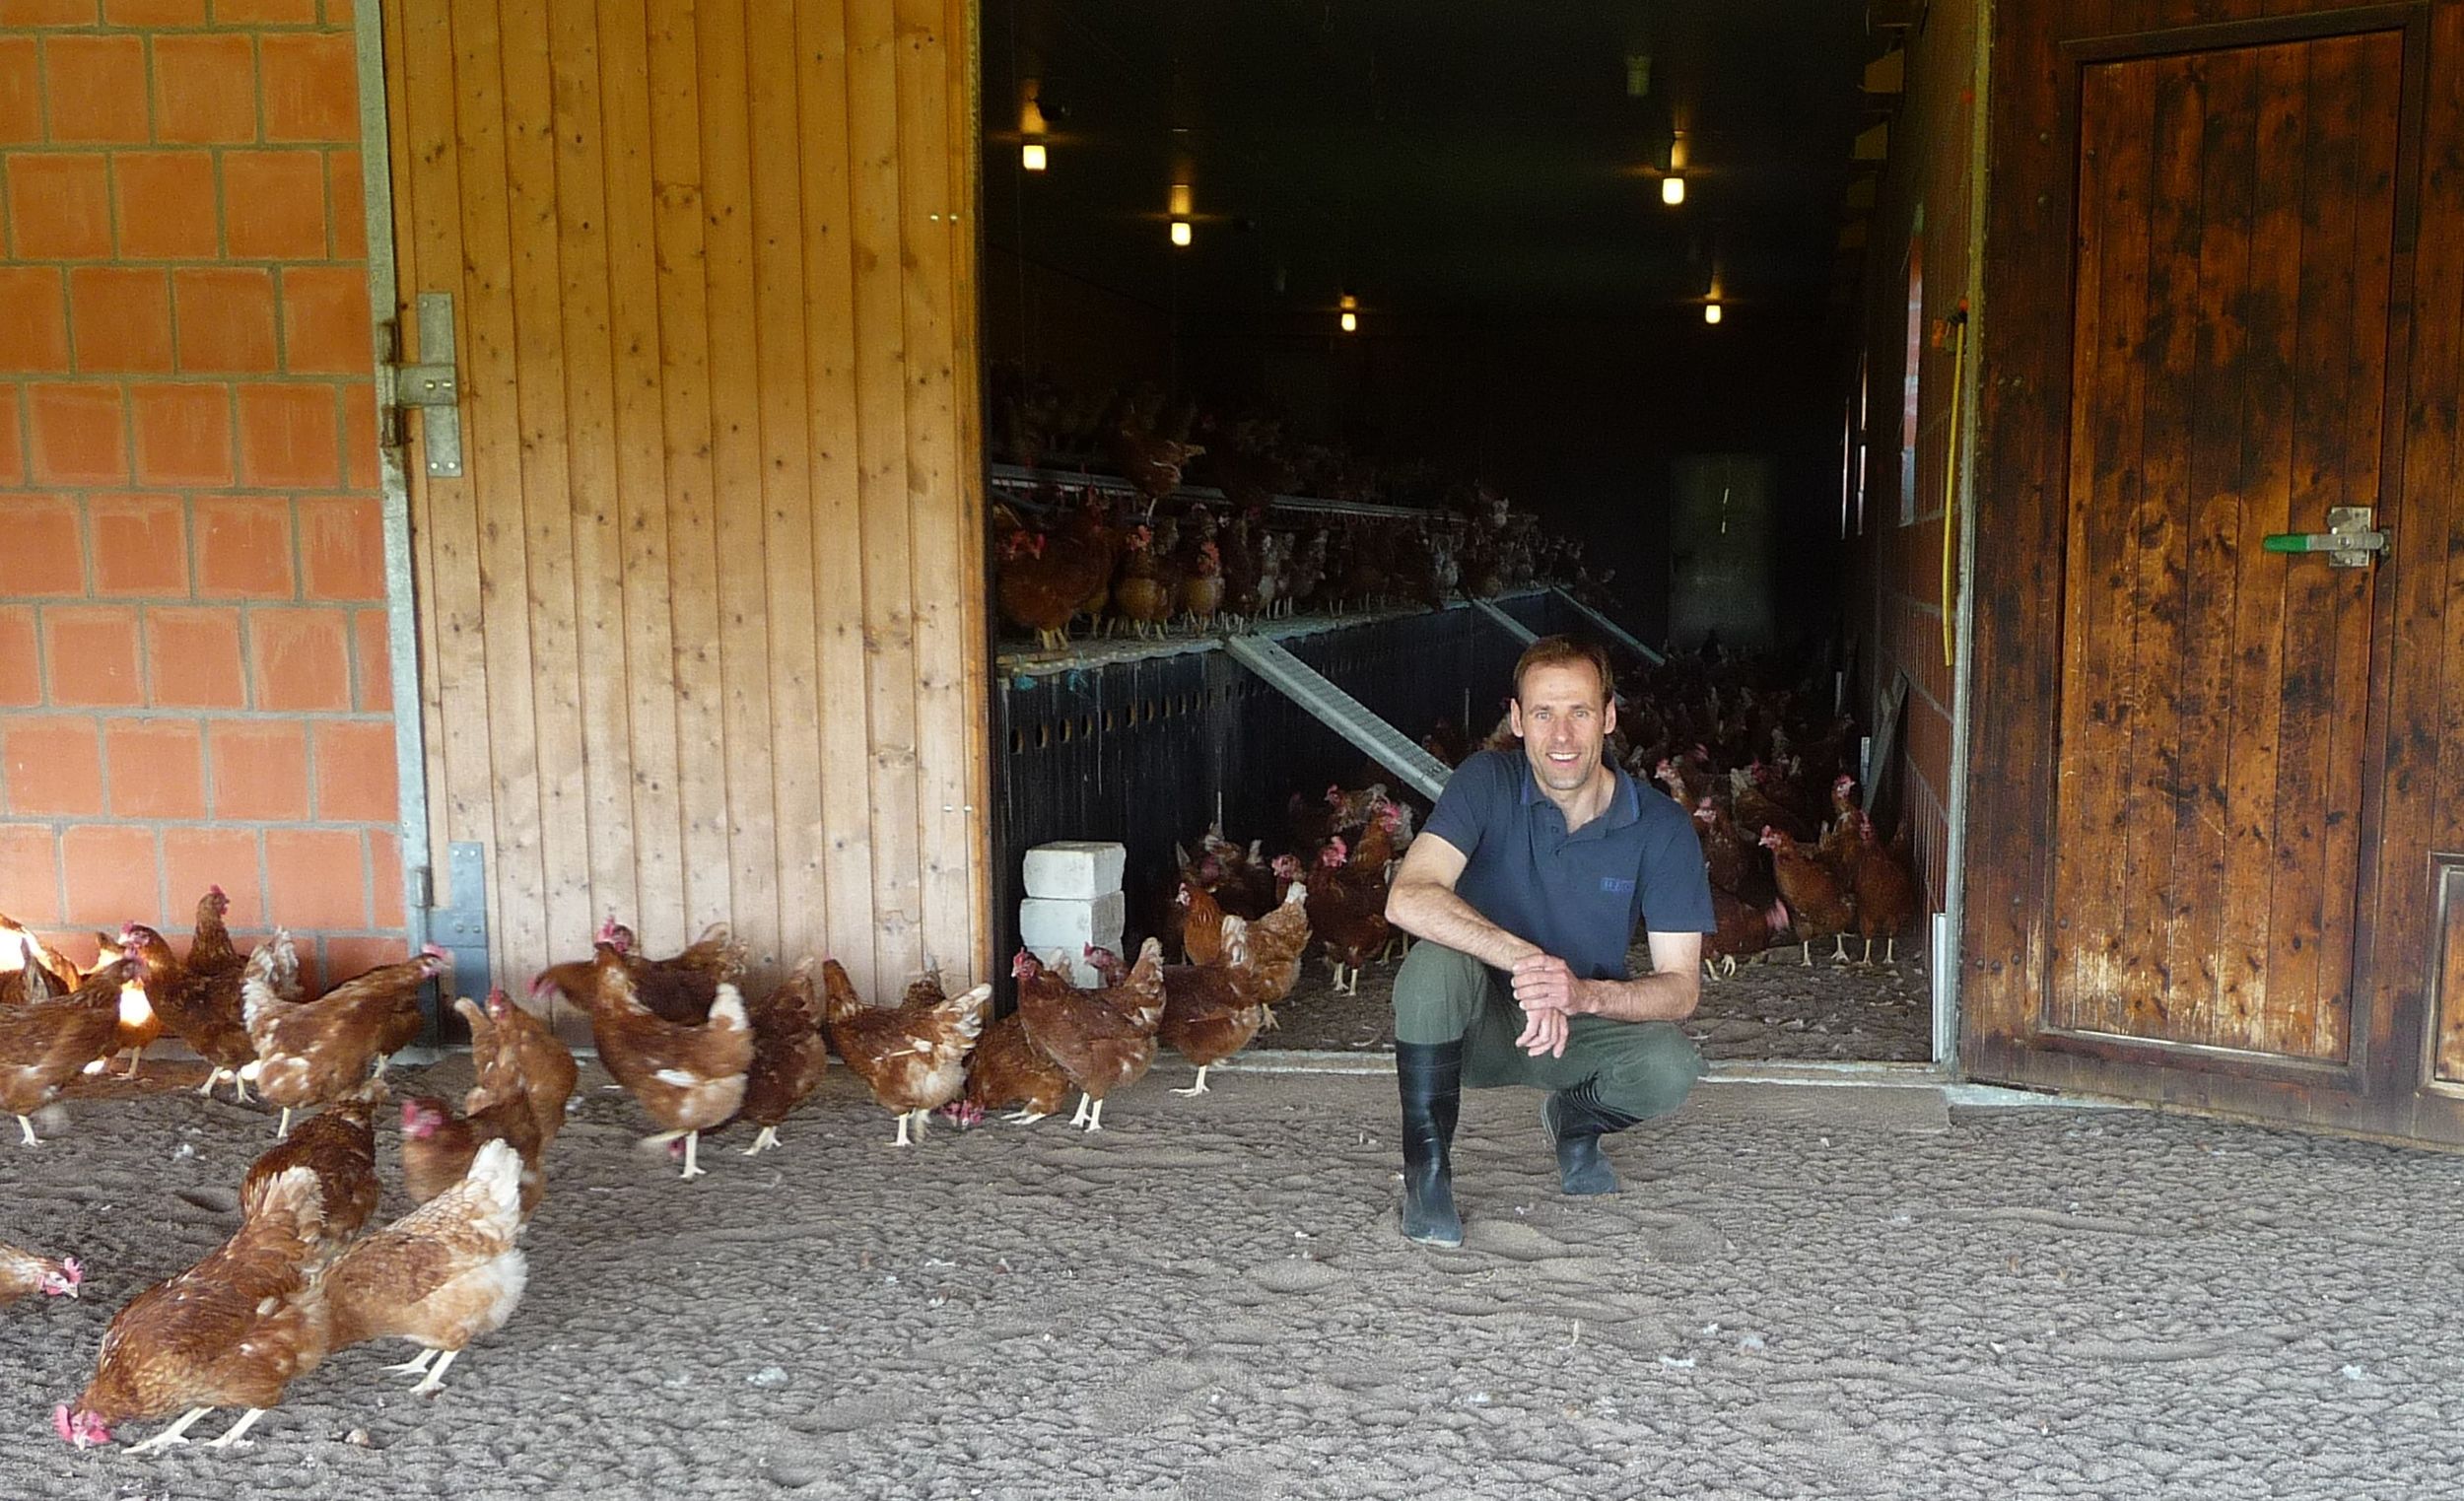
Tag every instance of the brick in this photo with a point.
(384, 877)
(326, 320)
(183, 433)
(13, 437)
(21, 669)
(20, 90)
(54, 765)
(17, 12)
(195, 658)
(157, 767)
(154, 13)
(30, 872)
(342, 547)
(59, 206)
(123, 318)
(34, 320)
(243, 13)
(355, 772)
(312, 87)
(359, 433)
(374, 647)
(140, 544)
(276, 203)
(317, 878)
(243, 548)
(260, 768)
(348, 957)
(75, 435)
(298, 659)
(196, 858)
(96, 87)
(347, 191)
(165, 205)
(112, 874)
(225, 320)
(46, 554)
(92, 651)
(205, 89)
(288, 436)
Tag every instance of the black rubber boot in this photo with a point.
(1576, 1120)
(1429, 1076)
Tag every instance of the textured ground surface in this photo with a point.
(1208, 1300)
(1774, 1009)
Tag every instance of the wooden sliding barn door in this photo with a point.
(702, 621)
(2218, 805)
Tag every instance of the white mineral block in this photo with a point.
(1075, 869)
(1072, 964)
(1073, 923)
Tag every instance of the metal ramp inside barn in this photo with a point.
(1340, 712)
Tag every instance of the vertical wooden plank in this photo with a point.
(455, 672)
(581, 169)
(685, 410)
(566, 812)
(933, 494)
(2378, 89)
(824, 93)
(2115, 162)
(786, 495)
(740, 575)
(2254, 670)
(492, 436)
(881, 374)
(2260, 1010)
(641, 469)
(2203, 623)
(2157, 533)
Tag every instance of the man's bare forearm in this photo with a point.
(1426, 909)
(1668, 996)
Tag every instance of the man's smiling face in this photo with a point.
(1564, 716)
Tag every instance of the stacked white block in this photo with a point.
(1073, 900)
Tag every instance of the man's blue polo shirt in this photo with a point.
(1579, 895)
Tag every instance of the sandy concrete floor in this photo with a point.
(1209, 1299)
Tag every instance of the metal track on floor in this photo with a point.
(1342, 713)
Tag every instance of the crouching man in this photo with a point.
(1525, 887)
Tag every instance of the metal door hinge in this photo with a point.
(2348, 540)
(430, 385)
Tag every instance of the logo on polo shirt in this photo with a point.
(1615, 886)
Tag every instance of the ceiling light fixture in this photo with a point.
(1711, 312)
(1673, 190)
(1181, 233)
(1350, 322)
(1031, 155)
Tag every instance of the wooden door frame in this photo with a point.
(2008, 938)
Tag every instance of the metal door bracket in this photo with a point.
(430, 385)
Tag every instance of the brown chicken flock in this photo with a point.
(1153, 562)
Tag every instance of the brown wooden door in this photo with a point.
(2236, 224)
(702, 623)
(2216, 815)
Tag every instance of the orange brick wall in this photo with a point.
(193, 677)
(1894, 606)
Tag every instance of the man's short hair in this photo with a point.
(1565, 651)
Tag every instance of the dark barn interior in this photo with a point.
(1411, 260)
